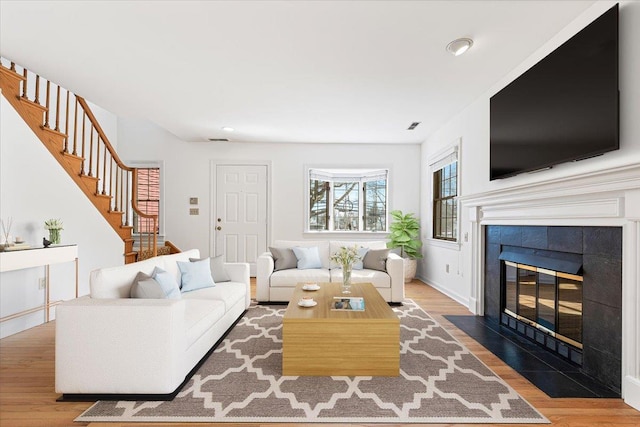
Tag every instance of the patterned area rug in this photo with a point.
(440, 382)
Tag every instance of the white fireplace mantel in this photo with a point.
(603, 198)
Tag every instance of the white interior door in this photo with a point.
(240, 223)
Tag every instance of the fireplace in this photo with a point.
(560, 287)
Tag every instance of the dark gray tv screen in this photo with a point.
(562, 109)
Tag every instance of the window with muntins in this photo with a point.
(147, 199)
(445, 199)
(348, 200)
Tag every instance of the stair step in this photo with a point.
(32, 104)
(55, 132)
(11, 74)
(72, 156)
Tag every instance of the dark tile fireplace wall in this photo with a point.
(601, 251)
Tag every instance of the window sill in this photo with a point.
(445, 244)
(348, 234)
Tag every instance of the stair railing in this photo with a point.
(84, 138)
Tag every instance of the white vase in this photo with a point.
(410, 267)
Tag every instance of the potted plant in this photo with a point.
(405, 234)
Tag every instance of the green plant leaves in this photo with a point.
(405, 234)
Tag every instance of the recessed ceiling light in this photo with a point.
(459, 46)
(227, 129)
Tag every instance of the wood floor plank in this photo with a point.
(28, 399)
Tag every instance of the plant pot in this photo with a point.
(410, 268)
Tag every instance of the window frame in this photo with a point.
(437, 162)
(150, 164)
(361, 179)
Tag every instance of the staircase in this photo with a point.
(66, 125)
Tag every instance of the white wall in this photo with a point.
(187, 173)
(34, 188)
(472, 126)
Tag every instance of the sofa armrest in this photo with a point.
(240, 272)
(395, 269)
(265, 267)
(119, 345)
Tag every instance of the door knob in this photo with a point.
(218, 228)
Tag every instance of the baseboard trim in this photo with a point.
(446, 291)
(80, 397)
(631, 392)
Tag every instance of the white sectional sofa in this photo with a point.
(109, 343)
(274, 285)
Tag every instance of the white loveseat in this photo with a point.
(277, 285)
(109, 343)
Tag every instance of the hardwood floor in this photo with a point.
(27, 396)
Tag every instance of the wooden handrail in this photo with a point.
(103, 136)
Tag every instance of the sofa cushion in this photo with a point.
(144, 286)
(322, 245)
(115, 282)
(289, 278)
(170, 287)
(378, 278)
(200, 315)
(218, 272)
(195, 275)
(376, 259)
(283, 258)
(308, 258)
(227, 292)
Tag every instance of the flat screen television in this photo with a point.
(564, 108)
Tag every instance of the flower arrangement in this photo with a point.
(346, 256)
(54, 226)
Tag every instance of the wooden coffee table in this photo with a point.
(320, 342)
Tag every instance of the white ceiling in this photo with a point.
(280, 71)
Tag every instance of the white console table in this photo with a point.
(37, 257)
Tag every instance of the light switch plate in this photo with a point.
(194, 211)
(193, 200)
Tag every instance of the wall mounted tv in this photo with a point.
(562, 109)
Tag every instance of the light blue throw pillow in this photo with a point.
(169, 285)
(196, 275)
(307, 257)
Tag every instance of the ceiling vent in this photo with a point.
(219, 139)
(413, 125)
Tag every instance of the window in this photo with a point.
(347, 200)
(445, 197)
(148, 199)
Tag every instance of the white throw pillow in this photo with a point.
(308, 258)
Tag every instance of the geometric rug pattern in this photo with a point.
(440, 381)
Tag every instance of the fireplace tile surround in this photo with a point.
(601, 251)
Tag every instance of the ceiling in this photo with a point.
(280, 71)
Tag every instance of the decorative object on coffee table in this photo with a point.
(54, 226)
(346, 256)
